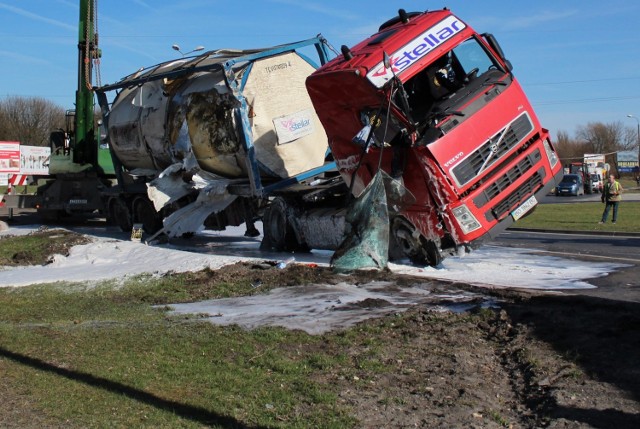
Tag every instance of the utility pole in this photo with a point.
(638, 137)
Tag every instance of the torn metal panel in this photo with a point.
(190, 218)
(168, 187)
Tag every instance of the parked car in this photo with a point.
(596, 183)
(571, 184)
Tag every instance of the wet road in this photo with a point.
(584, 246)
(621, 285)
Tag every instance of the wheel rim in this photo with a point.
(418, 249)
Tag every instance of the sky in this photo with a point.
(577, 60)
(112, 256)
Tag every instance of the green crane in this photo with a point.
(83, 152)
(75, 149)
(79, 167)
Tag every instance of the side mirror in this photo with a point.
(493, 42)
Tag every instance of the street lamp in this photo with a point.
(638, 137)
(177, 48)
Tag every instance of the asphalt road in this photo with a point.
(623, 284)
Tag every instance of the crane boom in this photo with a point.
(84, 142)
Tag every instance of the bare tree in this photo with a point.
(29, 120)
(630, 140)
(604, 138)
(569, 150)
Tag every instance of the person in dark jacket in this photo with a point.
(611, 196)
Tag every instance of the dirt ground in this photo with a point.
(537, 360)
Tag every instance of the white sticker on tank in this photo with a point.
(294, 126)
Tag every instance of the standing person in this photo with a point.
(611, 196)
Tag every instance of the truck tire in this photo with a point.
(120, 214)
(147, 215)
(279, 232)
(414, 245)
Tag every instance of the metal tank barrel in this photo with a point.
(158, 122)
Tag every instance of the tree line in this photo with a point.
(596, 138)
(29, 120)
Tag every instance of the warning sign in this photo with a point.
(9, 157)
(34, 160)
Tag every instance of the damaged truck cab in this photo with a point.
(443, 112)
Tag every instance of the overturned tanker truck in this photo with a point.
(436, 106)
(231, 137)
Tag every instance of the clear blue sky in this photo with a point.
(578, 60)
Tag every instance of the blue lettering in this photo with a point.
(408, 55)
(298, 125)
(402, 62)
(429, 41)
(421, 49)
(445, 33)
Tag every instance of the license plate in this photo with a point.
(524, 208)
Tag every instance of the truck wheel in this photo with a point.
(279, 233)
(120, 214)
(146, 214)
(413, 245)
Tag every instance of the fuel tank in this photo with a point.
(197, 115)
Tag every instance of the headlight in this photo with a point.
(553, 158)
(465, 219)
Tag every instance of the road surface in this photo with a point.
(623, 284)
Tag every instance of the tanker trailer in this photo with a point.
(207, 141)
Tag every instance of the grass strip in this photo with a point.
(582, 217)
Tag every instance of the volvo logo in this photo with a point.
(454, 159)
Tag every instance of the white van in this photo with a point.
(596, 183)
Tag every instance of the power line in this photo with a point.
(585, 100)
(579, 81)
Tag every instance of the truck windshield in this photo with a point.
(472, 56)
(446, 85)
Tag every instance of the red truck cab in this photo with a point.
(436, 106)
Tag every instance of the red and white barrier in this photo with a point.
(18, 179)
(13, 180)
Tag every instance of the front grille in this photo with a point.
(504, 181)
(493, 149)
(516, 196)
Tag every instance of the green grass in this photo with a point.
(36, 248)
(91, 356)
(629, 185)
(102, 356)
(20, 189)
(582, 217)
